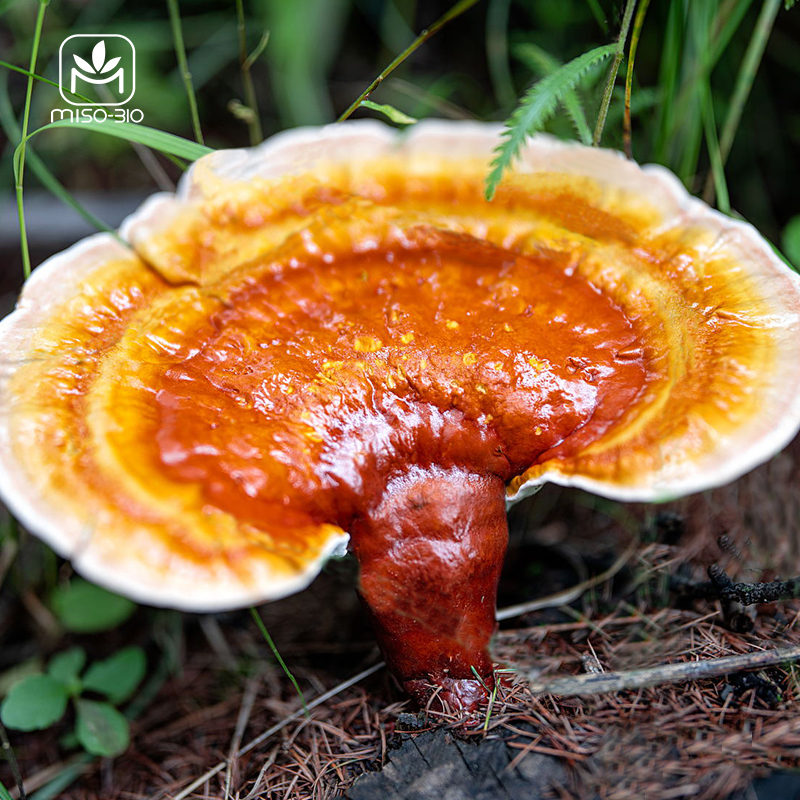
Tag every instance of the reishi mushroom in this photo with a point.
(334, 333)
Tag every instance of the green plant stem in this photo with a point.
(265, 633)
(254, 122)
(637, 30)
(26, 115)
(612, 75)
(456, 11)
(183, 64)
(747, 73)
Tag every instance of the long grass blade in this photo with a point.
(151, 137)
(669, 71)
(268, 639)
(726, 23)
(536, 107)
(747, 73)
(541, 62)
(720, 185)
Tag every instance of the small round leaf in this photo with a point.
(34, 703)
(83, 607)
(100, 728)
(66, 667)
(117, 676)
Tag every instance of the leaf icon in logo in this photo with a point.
(84, 65)
(99, 55)
(111, 64)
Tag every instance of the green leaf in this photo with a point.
(117, 676)
(4, 793)
(101, 729)
(789, 4)
(544, 64)
(34, 703)
(536, 107)
(66, 667)
(791, 240)
(130, 131)
(83, 607)
(394, 114)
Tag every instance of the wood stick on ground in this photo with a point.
(666, 673)
(278, 726)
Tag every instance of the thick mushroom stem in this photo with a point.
(431, 553)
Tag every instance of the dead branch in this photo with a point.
(666, 673)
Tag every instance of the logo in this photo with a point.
(106, 61)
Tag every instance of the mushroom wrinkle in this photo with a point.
(334, 334)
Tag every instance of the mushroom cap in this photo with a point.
(196, 419)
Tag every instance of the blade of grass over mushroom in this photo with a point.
(268, 639)
(544, 64)
(637, 30)
(612, 75)
(394, 114)
(180, 52)
(680, 94)
(457, 10)
(697, 45)
(536, 107)
(19, 171)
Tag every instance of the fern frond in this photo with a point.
(536, 107)
(541, 62)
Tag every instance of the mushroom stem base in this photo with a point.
(431, 552)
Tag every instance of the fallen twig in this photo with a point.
(665, 673)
